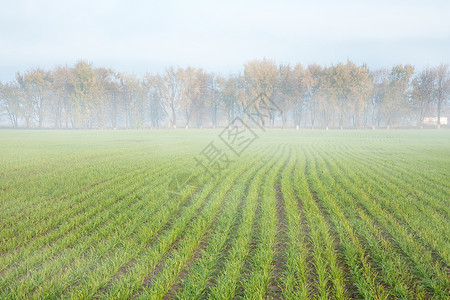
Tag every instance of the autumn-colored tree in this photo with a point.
(84, 84)
(62, 80)
(261, 78)
(380, 83)
(312, 81)
(339, 89)
(286, 91)
(341, 95)
(212, 95)
(154, 101)
(36, 87)
(193, 88)
(327, 96)
(105, 88)
(228, 95)
(132, 100)
(395, 101)
(348, 86)
(299, 93)
(361, 91)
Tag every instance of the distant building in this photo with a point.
(433, 120)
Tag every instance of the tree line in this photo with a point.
(314, 96)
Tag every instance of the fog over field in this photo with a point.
(224, 214)
(225, 150)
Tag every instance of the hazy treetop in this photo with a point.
(141, 36)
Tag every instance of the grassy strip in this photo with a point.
(36, 207)
(179, 258)
(414, 214)
(132, 281)
(416, 162)
(94, 272)
(75, 227)
(91, 269)
(227, 283)
(27, 190)
(409, 176)
(297, 273)
(72, 209)
(384, 256)
(433, 276)
(257, 282)
(407, 168)
(195, 284)
(364, 277)
(107, 222)
(325, 256)
(103, 273)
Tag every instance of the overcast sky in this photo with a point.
(220, 36)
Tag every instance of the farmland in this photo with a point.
(295, 215)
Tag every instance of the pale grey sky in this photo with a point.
(220, 36)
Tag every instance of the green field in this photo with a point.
(298, 214)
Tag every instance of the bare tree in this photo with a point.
(154, 100)
(11, 97)
(213, 95)
(312, 80)
(361, 89)
(62, 93)
(423, 90)
(168, 89)
(442, 90)
(285, 91)
(36, 87)
(395, 102)
(193, 90)
(380, 82)
(261, 78)
(228, 96)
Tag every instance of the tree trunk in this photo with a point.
(214, 116)
(341, 118)
(439, 115)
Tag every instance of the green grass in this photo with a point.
(299, 215)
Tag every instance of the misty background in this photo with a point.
(147, 64)
(148, 36)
